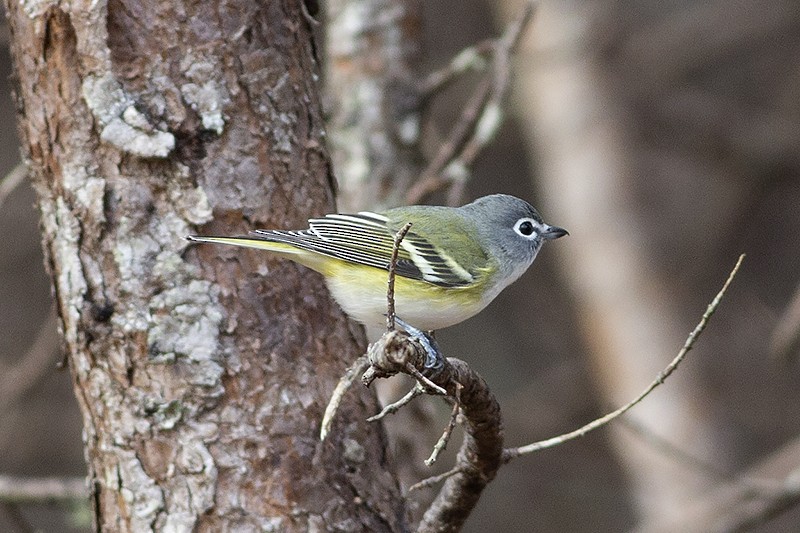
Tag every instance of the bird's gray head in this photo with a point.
(512, 229)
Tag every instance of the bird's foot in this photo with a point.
(434, 359)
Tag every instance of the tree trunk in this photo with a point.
(201, 373)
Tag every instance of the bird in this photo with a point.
(451, 264)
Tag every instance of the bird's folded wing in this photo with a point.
(366, 238)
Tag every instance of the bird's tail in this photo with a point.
(261, 242)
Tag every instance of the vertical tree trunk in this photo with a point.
(201, 374)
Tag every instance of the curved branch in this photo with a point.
(481, 452)
(480, 455)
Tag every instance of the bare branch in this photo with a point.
(480, 455)
(480, 118)
(470, 58)
(441, 444)
(785, 342)
(38, 490)
(512, 453)
(433, 480)
(12, 180)
(428, 386)
(345, 382)
(398, 238)
(38, 360)
(393, 407)
(481, 451)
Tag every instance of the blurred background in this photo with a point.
(666, 137)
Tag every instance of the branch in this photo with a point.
(512, 453)
(480, 455)
(481, 117)
(441, 444)
(11, 180)
(762, 492)
(481, 451)
(38, 490)
(19, 378)
(345, 382)
(785, 342)
(390, 314)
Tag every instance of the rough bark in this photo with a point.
(201, 374)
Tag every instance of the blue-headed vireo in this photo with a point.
(452, 263)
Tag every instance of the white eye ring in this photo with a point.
(527, 228)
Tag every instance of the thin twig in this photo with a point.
(470, 58)
(492, 115)
(39, 490)
(479, 120)
(40, 359)
(433, 480)
(12, 180)
(511, 453)
(345, 382)
(393, 407)
(398, 239)
(430, 386)
(430, 179)
(441, 444)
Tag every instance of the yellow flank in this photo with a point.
(361, 292)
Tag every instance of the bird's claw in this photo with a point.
(434, 360)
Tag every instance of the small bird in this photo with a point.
(451, 264)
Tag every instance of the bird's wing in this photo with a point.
(367, 239)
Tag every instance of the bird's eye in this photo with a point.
(524, 227)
